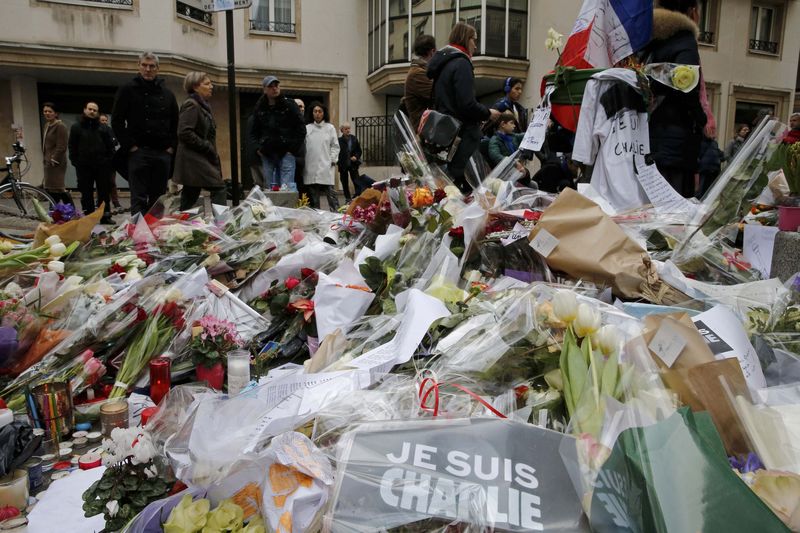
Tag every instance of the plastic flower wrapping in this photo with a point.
(427, 360)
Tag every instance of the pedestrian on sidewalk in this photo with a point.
(91, 149)
(54, 152)
(197, 164)
(145, 121)
(322, 154)
(113, 180)
(277, 130)
(349, 160)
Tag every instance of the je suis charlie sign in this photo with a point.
(491, 472)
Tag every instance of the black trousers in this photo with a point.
(352, 173)
(456, 168)
(316, 193)
(189, 196)
(90, 176)
(148, 172)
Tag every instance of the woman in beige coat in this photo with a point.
(54, 151)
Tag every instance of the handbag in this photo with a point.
(439, 134)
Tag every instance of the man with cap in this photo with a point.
(278, 132)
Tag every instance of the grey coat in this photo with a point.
(196, 161)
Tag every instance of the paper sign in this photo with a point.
(667, 344)
(725, 335)
(758, 244)
(661, 194)
(537, 129)
(517, 233)
(544, 242)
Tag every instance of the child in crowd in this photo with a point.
(504, 142)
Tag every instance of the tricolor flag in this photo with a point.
(605, 32)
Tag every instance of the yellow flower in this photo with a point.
(256, 525)
(187, 516)
(422, 197)
(684, 78)
(226, 517)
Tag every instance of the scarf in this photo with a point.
(200, 100)
(459, 47)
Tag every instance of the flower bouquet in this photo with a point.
(72, 230)
(130, 481)
(212, 339)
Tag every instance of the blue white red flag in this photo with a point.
(607, 31)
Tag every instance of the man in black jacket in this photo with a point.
(277, 130)
(91, 147)
(145, 121)
(349, 160)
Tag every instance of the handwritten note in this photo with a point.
(661, 194)
(537, 129)
(544, 242)
(759, 242)
(667, 344)
(519, 232)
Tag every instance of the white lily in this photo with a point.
(587, 321)
(554, 40)
(56, 266)
(565, 306)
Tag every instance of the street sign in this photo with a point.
(211, 6)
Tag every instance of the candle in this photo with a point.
(238, 371)
(14, 489)
(160, 379)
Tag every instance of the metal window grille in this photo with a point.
(193, 13)
(375, 135)
(764, 46)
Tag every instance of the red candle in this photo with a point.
(159, 378)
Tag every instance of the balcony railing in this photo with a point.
(193, 13)
(706, 37)
(98, 3)
(272, 27)
(763, 46)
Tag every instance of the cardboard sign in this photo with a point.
(496, 473)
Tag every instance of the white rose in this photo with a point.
(56, 266)
(14, 290)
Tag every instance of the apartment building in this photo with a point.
(350, 54)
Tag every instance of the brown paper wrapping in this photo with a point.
(75, 230)
(591, 245)
(697, 378)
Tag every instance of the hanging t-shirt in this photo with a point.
(612, 131)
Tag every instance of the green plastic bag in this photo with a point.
(674, 476)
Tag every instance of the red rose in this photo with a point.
(394, 183)
(439, 195)
(117, 269)
(147, 258)
(291, 283)
(456, 232)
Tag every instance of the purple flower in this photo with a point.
(745, 464)
(62, 212)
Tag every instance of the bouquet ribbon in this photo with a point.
(430, 386)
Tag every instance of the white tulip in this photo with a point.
(57, 250)
(565, 306)
(133, 275)
(587, 321)
(607, 339)
(52, 239)
(56, 266)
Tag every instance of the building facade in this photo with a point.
(350, 54)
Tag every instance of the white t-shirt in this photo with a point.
(612, 129)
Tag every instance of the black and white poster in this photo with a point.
(501, 474)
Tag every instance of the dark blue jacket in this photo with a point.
(454, 86)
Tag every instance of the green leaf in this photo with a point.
(610, 375)
(577, 371)
(105, 484)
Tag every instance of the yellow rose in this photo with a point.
(684, 78)
(256, 525)
(187, 516)
(226, 517)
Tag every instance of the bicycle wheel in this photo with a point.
(22, 203)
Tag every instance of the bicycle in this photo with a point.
(24, 195)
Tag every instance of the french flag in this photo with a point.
(605, 32)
